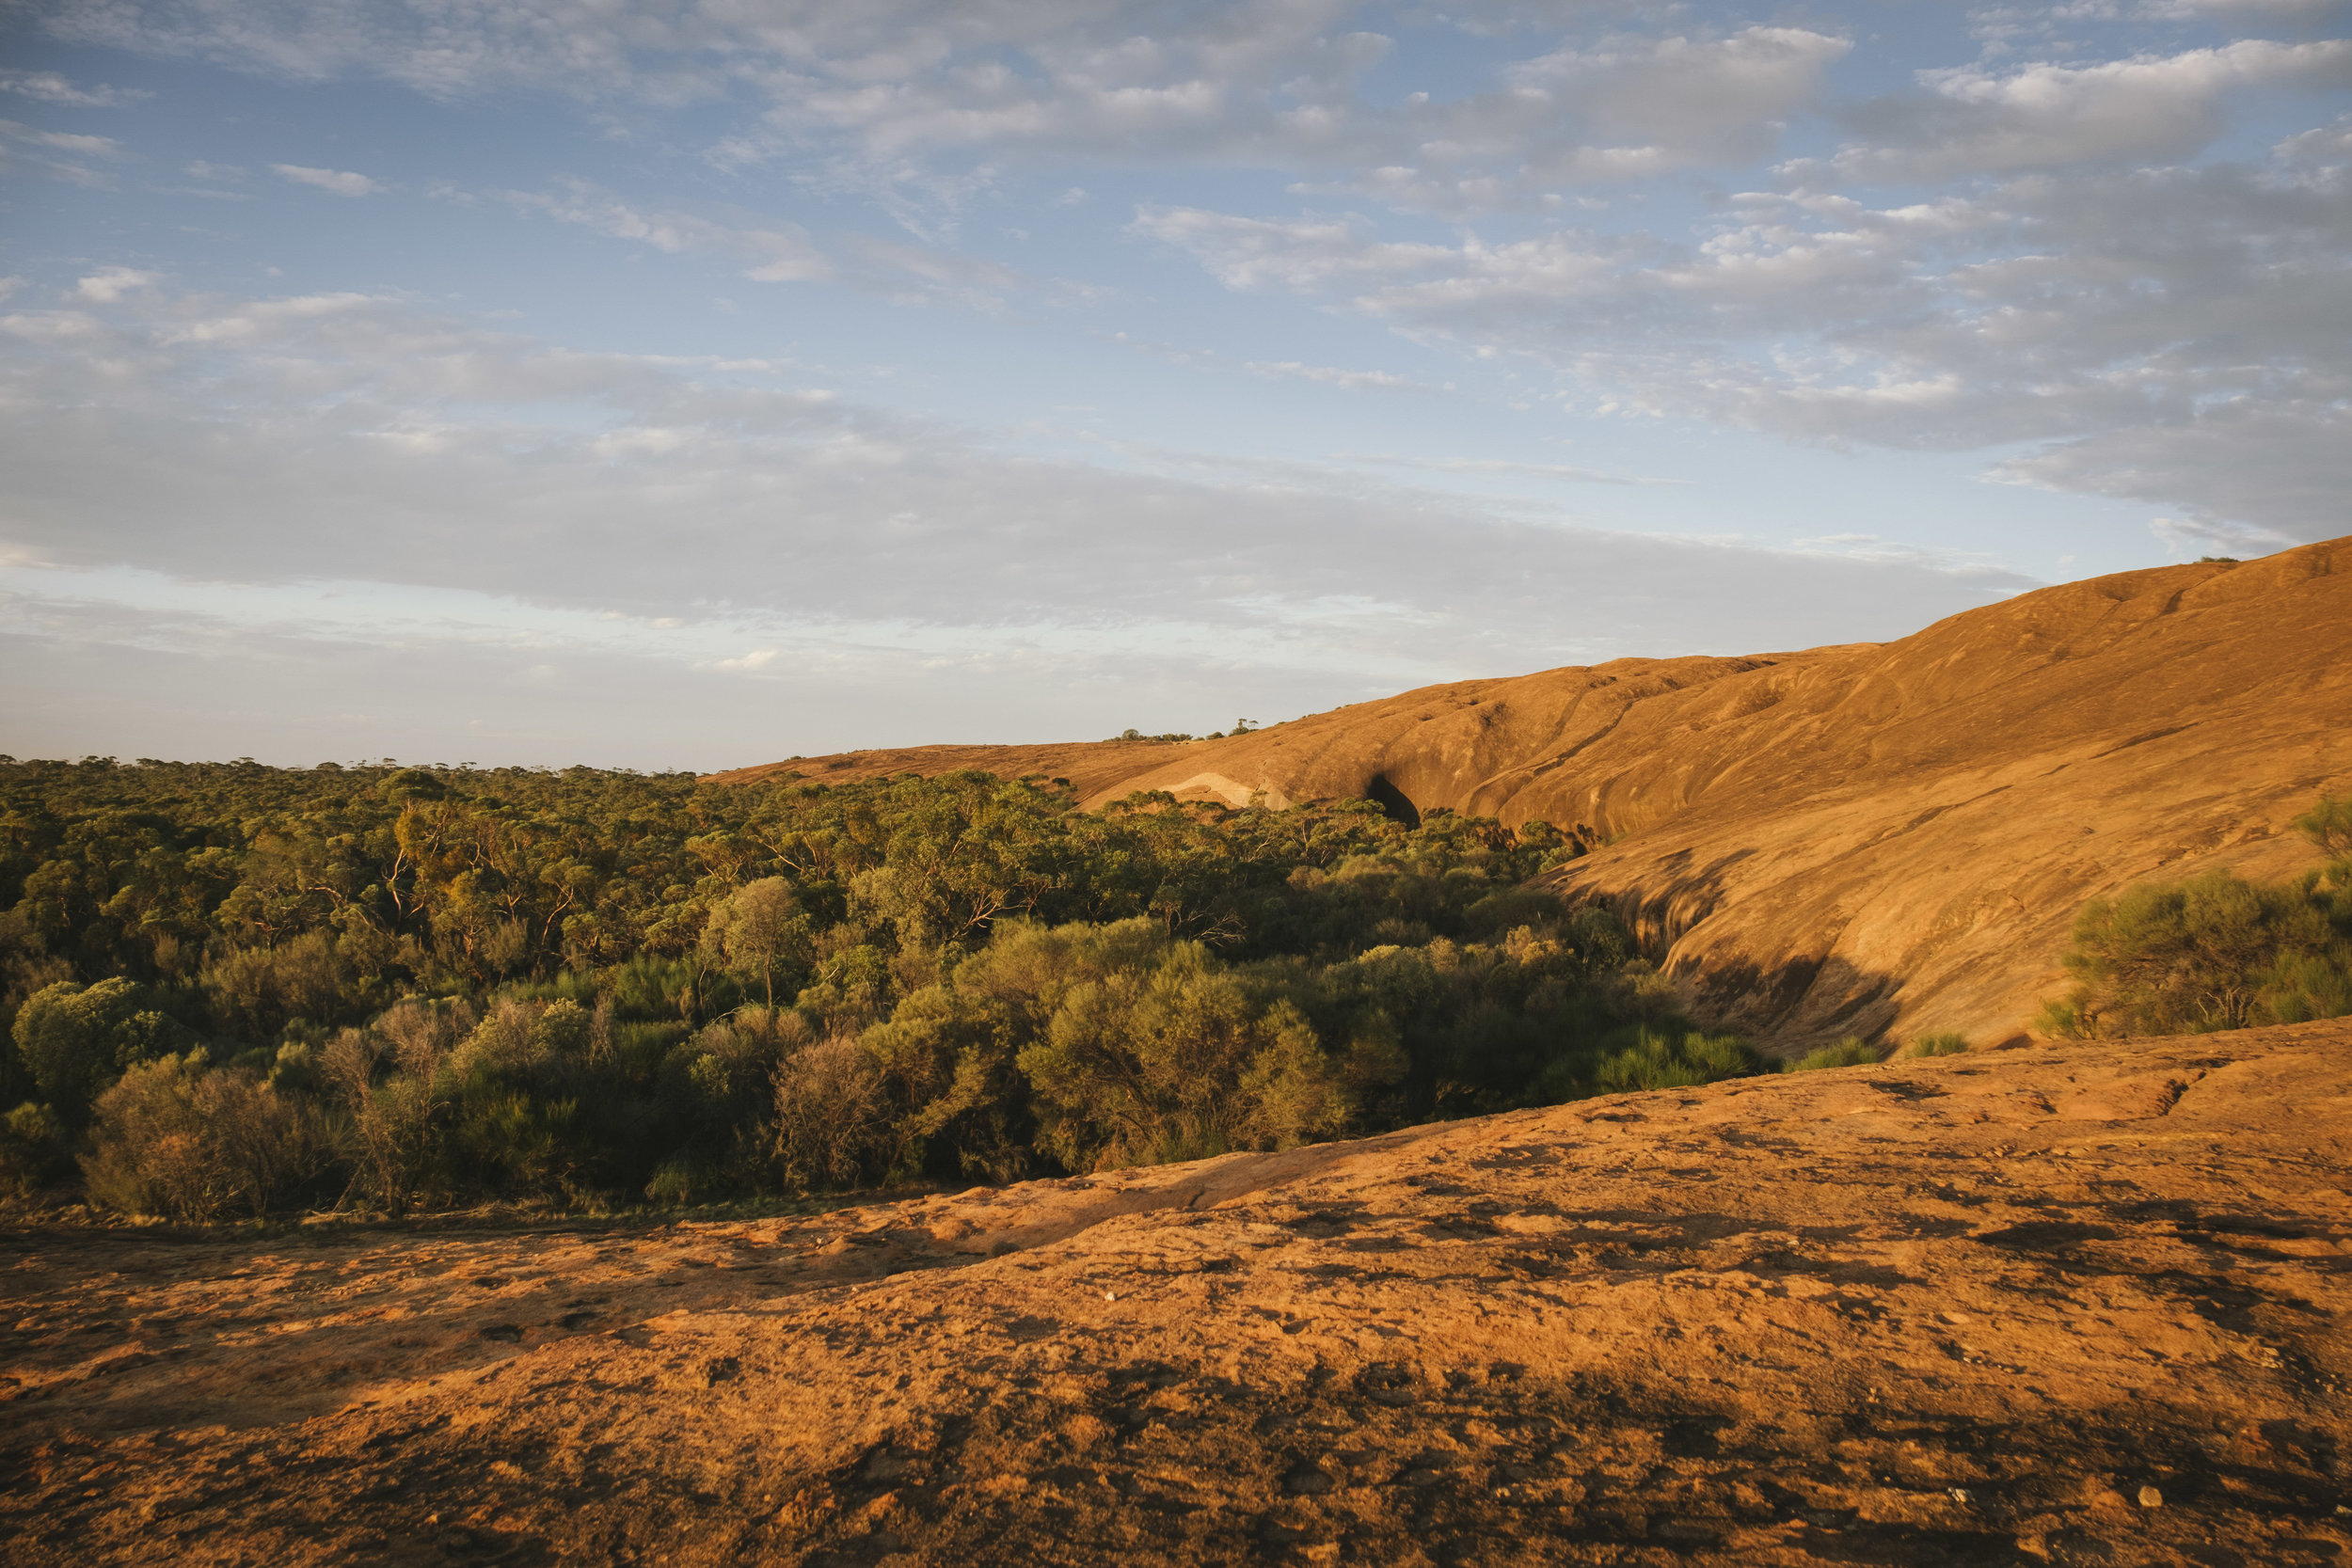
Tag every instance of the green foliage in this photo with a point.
(1851, 1052)
(1937, 1045)
(1661, 1061)
(171, 1138)
(1156, 1051)
(2328, 825)
(428, 986)
(831, 1122)
(32, 1150)
(74, 1039)
(2216, 952)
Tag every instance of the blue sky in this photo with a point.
(697, 384)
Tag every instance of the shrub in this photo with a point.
(256, 991)
(2329, 824)
(1937, 1045)
(1664, 1061)
(832, 1122)
(1851, 1052)
(32, 1150)
(74, 1039)
(756, 930)
(389, 1076)
(1175, 1058)
(179, 1138)
(2216, 952)
(677, 1182)
(1180, 977)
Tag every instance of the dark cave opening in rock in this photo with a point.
(1393, 801)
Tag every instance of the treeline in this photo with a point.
(234, 988)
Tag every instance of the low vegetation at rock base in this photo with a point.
(233, 989)
(2217, 952)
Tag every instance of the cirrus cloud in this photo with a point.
(334, 181)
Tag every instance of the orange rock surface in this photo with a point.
(1877, 838)
(2052, 1305)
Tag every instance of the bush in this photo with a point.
(1937, 1045)
(523, 983)
(2212, 953)
(390, 1077)
(32, 1150)
(2328, 825)
(1172, 1056)
(1851, 1052)
(74, 1039)
(179, 1138)
(832, 1121)
(1662, 1061)
(256, 991)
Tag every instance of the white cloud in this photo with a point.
(2258, 12)
(774, 253)
(1508, 466)
(348, 437)
(1309, 253)
(1353, 381)
(335, 181)
(2045, 116)
(109, 284)
(2181, 536)
(2328, 144)
(56, 153)
(2171, 308)
(767, 251)
(50, 87)
(924, 102)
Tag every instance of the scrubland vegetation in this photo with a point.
(235, 989)
(2217, 952)
(238, 989)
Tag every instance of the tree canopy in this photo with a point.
(433, 985)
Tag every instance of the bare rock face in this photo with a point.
(2053, 1304)
(1883, 835)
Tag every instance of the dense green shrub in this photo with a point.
(1937, 1045)
(1851, 1052)
(1172, 1057)
(33, 1150)
(74, 1039)
(592, 988)
(2215, 952)
(173, 1136)
(1658, 1061)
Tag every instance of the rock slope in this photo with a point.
(2052, 1305)
(1884, 836)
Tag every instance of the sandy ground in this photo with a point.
(2080, 1304)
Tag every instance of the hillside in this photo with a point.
(1855, 838)
(1093, 767)
(2064, 1304)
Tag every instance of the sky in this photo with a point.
(697, 383)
